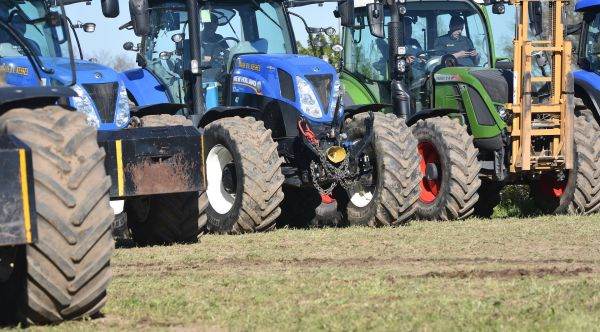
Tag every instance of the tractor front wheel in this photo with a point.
(449, 169)
(388, 193)
(65, 273)
(578, 190)
(244, 178)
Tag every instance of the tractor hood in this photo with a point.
(309, 84)
(497, 83)
(87, 72)
(99, 85)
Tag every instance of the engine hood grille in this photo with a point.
(497, 83)
(104, 96)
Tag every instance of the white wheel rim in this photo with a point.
(220, 200)
(362, 198)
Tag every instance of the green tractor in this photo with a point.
(481, 122)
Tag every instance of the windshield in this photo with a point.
(228, 29)
(28, 19)
(591, 47)
(432, 29)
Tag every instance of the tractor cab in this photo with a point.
(228, 30)
(247, 56)
(437, 34)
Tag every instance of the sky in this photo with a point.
(108, 39)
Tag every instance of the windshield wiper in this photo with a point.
(257, 6)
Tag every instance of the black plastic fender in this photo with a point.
(351, 111)
(32, 97)
(222, 112)
(589, 95)
(429, 113)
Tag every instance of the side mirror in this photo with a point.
(164, 55)
(375, 17)
(346, 12)
(535, 17)
(89, 27)
(330, 31)
(110, 8)
(140, 17)
(128, 46)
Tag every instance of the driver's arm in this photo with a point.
(475, 57)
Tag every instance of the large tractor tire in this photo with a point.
(244, 178)
(389, 196)
(449, 169)
(576, 191)
(65, 274)
(489, 198)
(164, 219)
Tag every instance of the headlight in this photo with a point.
(123, 111)
(308, 99)
(83, 103)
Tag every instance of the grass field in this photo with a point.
(506, 274)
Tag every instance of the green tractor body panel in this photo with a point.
(357, 92)
(456, 88)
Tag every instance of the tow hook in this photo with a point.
(327, 213)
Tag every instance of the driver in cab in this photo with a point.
(212, 42)
(461, 47)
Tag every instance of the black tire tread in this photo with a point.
(464, 178)
(262, 179)
(68, 268)
(399, 191)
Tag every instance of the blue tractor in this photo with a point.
(587, 80)
(153, 159)
(55, 218)
(273, 120)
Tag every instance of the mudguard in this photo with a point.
(144, 87)
(429, 113)
(587, 87)
(17, 213)
(228, 111)
(33, 97)
(350, 111)
(157, 109)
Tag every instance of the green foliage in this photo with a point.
(325, 52)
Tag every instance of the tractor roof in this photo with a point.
(587, 5)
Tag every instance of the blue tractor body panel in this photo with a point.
(587, 5)
(21, 73)
(144, 87)
(259, 74)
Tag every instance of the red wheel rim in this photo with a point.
(550, 186)
(429, 188)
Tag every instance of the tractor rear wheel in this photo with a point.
(243, 171)
(65, 273)
(390, 193)
(164, 219)
(576, 191)
(449, 169)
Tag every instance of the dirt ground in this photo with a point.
(502, 274)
